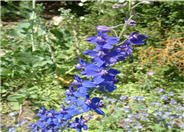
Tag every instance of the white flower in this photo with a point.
(82, 18)
(83, 1)
(57, 19)
(80, 4)
(121, 1)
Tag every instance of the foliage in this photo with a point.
(15, 10)
(39, 77)
(26, 73)
(168, 53)
(159, 112)
(152, 17)
(95, 76)
(166, 17)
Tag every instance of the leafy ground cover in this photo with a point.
(38, 59)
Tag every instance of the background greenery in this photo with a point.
(33, 77)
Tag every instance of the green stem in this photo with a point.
(115, 32)
(76, 42)
(69, 71)
(32, 26)
(51, 53)
(123, 41)
(137, 5)
(130, 9)
(124, 27)
(129, 6)
(134, 7)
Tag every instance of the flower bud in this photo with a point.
(100, 40)
(102, 29)
(78, 66)
(76, 83)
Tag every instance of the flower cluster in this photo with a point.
(138, 113)
(94, 76)
(53, 121)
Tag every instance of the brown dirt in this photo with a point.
(26, 114)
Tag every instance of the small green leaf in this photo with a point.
(17, 97)
(34, 96)
(14, 105)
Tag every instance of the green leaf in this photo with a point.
(42, 63)
(57, 33)
(34, 96)
(14, 105)
(17, 97)
(62, 37)
(4, 42)
(5, 72)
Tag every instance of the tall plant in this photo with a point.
(96, 75)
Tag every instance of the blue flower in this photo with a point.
(113, 101)
(136, 39)
(72, 110)
(88, 83)
(182, 95)
(173, 102)
(144, 114)
(119, 5)
(181, 126)
(103, 29)
(70, 91)
(81, 64)
(96, 75)
(163, 97)
(136, 116)
(52, 120)
(138, 98)
(78, 124)
(165, 116)
(128, 120)
(81, 92)
(92, 53)
(167, 113)
(145, 118)
(77, 81)
(134, 98)
(126, 125)
(41, 113)
(2, 126)
(158, 113)
(123, 97)
(21, 123)
(95, 104)
(12, 113)
(172, 122)
(33, 127)
(138, 127)
(119, 53)
(129, 22)
(11, 129)
(170, 93)
(102, 41)
(159, 90)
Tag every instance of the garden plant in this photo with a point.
(97, 80)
